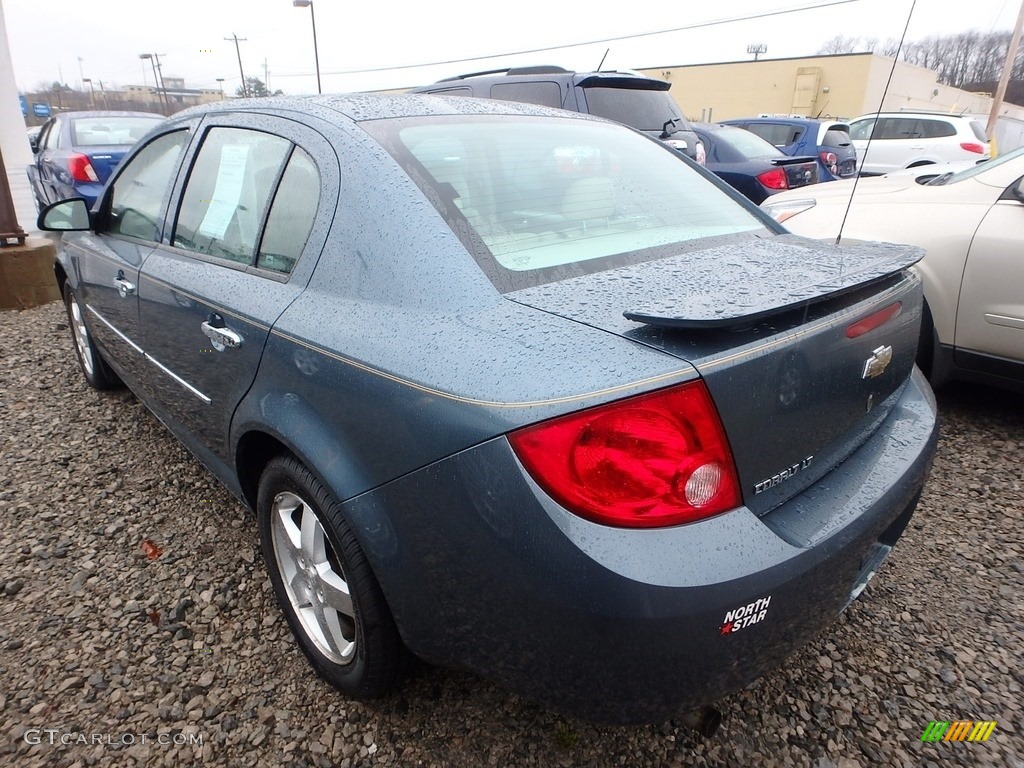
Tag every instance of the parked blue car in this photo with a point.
(75, 152)
(510, 389)
(828, 140)
(750, 164)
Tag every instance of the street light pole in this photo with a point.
(92, 91)
(220, 81)
(316, 52)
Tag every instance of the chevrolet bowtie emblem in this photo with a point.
(877, 363)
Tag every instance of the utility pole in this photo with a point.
(163, 88)
(1011, 54)
(266, 76)
(237, 39)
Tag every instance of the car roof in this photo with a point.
(107, 113)
(360, 107)
(941, 115)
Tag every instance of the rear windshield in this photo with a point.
(777, 134)
(641, 109)
(734, 145)
(537, 200)
(101, 131)
(836, 136)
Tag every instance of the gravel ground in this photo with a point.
(133, 603)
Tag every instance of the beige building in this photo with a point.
(840, 86)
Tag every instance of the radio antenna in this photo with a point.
(606, 50)
(867, 147)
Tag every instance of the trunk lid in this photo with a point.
(105, 159)
(771, 325)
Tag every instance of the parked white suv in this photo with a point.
(907, 139)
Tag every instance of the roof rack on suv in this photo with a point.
(544, 69)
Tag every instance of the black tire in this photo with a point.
(94, 368)
(375, 664)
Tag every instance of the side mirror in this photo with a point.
(1017, 190)
(65, 216)
(33, 141)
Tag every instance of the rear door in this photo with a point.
(237, 252)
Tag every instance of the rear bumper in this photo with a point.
(484, 572)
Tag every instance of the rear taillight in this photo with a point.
(81, 169)
(830, 161)
(874, 320)
(971, 146)
(774, 179)
(655, 460)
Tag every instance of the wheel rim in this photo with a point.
(81, 335)
(313, 579)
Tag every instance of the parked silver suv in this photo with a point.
(908, 139)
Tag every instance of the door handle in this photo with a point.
(219, 334)
(125, 287)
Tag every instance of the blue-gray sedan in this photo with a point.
(509, 389)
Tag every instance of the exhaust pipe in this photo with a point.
(704, 721)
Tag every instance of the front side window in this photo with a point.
(228, 191)
(861, 129)
(537, 200)
(141, 189)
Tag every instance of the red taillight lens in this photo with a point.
(874, 320)
(655, 460)
(774, 179)
(971, 146)
(81, 169)
(830, 161)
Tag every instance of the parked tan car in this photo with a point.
(971, 223)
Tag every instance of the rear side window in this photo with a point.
(535, 201)
(777, 134)
(140, 190)
(547, 94)
(889, 128)
(291, 214)
(227, 192)
(937, 129)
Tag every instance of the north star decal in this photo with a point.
(738, 618)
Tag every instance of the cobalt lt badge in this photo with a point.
(877, 363)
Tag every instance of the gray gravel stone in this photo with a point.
(937, 635)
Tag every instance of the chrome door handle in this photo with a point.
(124, 287)
(219, 335)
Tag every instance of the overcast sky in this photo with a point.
(49, 36)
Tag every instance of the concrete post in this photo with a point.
(26, 264)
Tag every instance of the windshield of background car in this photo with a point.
(641, 109)
(537, 199)
(106, 131)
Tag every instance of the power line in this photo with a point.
(698, 25)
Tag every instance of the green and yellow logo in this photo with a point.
(959, 730)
